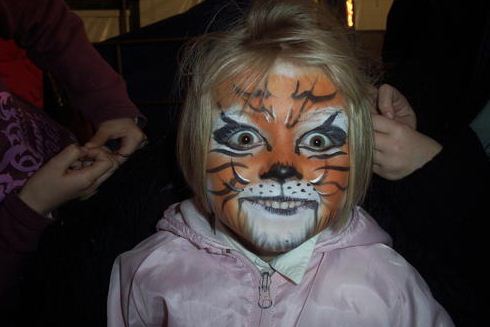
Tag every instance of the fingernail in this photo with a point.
(143, 144)
(122, 155)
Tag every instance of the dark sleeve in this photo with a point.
(20, 231)
(438, 216)
(55, 40)
(455, 183)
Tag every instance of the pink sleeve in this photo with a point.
(116, 301)
(415, 305)
(128, 305)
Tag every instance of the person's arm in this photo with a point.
(75, 172)
(433, 213)
(55, 40)
(20, 231)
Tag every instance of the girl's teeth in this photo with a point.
(279, 204)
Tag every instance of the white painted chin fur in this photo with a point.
(278, 224)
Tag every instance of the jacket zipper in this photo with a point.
(265, 300)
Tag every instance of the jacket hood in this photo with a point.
(185, 220)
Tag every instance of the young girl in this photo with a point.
(276, 142)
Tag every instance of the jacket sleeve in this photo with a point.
(415, 305)
(129, 304)
(116, 302)
(55, 40)
(20, 230)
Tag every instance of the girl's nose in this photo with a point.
(281, 173)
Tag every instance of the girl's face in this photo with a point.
(278, 165)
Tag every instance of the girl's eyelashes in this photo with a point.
(238, 136)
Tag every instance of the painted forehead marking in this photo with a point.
(306, 89)
(307, 99)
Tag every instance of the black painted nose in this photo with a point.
(281, 173)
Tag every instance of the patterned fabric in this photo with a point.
(28, 138)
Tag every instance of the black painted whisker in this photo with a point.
(327, 156)
(224, 166)
(337, 168)
(231, 154)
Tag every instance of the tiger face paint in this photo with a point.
(278, 165)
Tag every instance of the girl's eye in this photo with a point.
(244, 140)
(316, 142)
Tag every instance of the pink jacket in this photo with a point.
(183, 276)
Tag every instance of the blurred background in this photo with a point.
(141, 40)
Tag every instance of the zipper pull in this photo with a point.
(265, 300)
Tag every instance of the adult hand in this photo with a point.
(399, 148)
(76, 172)
(393, 105)
(123, 129)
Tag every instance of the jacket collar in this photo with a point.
(186, 221)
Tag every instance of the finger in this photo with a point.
(99, 139)
(69, 156)
(92, 189)
(90, 174)
(131, 141)
(143, 143)
(381, 124)
(386, 99)
(106, 175)
(88, 194)
(100, 154)
(76, 165)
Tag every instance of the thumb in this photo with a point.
(67, 157)
(385, 101)
(98, 140)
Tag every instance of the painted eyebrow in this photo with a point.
(258, 93)
(334, 133)
(222, 134)
(308, 94)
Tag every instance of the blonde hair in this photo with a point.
(299, 32)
